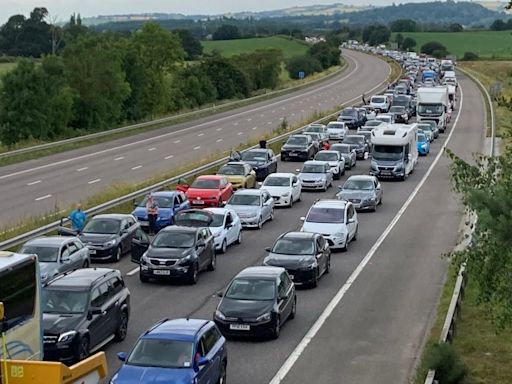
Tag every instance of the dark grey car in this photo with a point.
(57, 254)
(363, 191)
(348, 154)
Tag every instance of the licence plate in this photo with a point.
(240, 327)
(294, 154)
(198, 202)
(386, 172)
(92, 251)
(161, 272)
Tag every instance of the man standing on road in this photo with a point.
(77, 217)
(152, 211)
(364, 99)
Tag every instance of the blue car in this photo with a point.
(169, 203)
(423, 144)
(181, 351)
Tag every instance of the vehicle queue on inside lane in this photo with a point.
(258, 300)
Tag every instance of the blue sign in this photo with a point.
(301, 74)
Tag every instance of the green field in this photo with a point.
(487, 44)
(228, 48)
(6, 67)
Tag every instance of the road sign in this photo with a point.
(302, 74)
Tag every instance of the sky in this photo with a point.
(62, 9)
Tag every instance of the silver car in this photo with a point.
(348, 154)
(335, 160)
(254, 207)
(57, 254)
(363, 191)
(315, 175)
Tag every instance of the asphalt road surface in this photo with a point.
(388, 282)
(39, 186)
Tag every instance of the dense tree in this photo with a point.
(228, 80)
(195, 87)
(262, 67)
(408, 43)
(498, 25)
(399, 39)
(455, 27)
(469, 56)
(432, 46)
(376, 34)
(226, 32)
(192, 46)
(326, 54)
(403, 25)
(304, 63)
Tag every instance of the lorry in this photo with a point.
(433, 104)
(394, 151)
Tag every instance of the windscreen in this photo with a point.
(277, 181)
(355, 184)
(206, 184)
(313, 168)
(326, 156)
(388, 152)
(296, 140)
(174, 240)
(65, 301)
(103, 226)
(251, 289)
(161, 353)
(326, 215)
(244, 199)
(294, 247)
(45, 254)
(161, 201)
(232, 170)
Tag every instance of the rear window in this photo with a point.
(326, 215)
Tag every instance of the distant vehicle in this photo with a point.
(298, 147)
(317, 128)
(394, 152)
(447, 66)
(335, 160)
(337, 130)
(224, 224)
(110, 236)
(178, 253)
(352, 117)
(305, 256)
(335, 219)
(368, 112)
(285, 188)
(374, 123)
(57, 254)
(362, 146)
(254, 207)
(315, 175)
(262, 160)
(364, 191)
(432, 75)
(423, 144)
(405, 101)
(426, 129)
(82, 311)
(387, 118)
(349, 154)
(433, 104)
(433, 127)
(239, 174)
(169, 203)
(185, 351)
(257, 302)
(400, 113)
(209, 191)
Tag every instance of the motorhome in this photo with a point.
(433, 104)
(394, 151)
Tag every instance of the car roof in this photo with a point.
(210, 177)
(297, 235)
(164, 193)
(361, 177)
(263, 271)
(281, 174)
(327, 151)
(80, 278)
(258, 150)
(246, 191)
(330, 203)
(236, 163)
(115, 216)
(315, 162)
(302, 134)
(179, 228)
(340, 144)
(50, 240)
(356, 136)
(217, 210)
(180, 329)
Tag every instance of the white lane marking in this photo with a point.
(133, 271)
(196, 148)
(94, 181)
(34, 182)
(168, 157)
(273, 111)
(254, 128)
(136, 167)
(82, 169)
(43, 197)
(152, 149)
(262, 115)
(219, 140)
(240, 133)
(200, 134)
(219, 129)
(269, 123)
(301, 347)
(235, 123)
(177, 141)
(293, 114)
(119, 158)
(249, 119)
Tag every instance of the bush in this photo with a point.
(304, 63)
(440, 53)
(432, 46)
(469, 56)
(448, 366)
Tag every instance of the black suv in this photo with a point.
(298, 147)
(352, 117)
(82, 311)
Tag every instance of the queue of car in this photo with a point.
(85, 308)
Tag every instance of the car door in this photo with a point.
(272, 161)
(266, 201)
(205, 372)
(328, 172)
(229, 228)
(378, 189)
(64, 260)
(75, 259)
(201, 249)
(140, 244)
(285, 299)
(321, 257)
(351, 220)
(210, 245)
(99, 324)
(124, 234)
(214, 351)
(296, 188)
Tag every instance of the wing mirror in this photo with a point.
(122, 356)
(203, 361)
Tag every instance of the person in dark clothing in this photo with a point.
(152, 211)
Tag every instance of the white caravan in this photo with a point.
(433, 104)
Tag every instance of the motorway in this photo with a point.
(367, 320)
(39, 186)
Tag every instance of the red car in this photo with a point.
(208, 191)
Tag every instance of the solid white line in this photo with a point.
(34, 182)
(254, 128)
(133, 271)
(268, 123)
(136, 167)
(43, 197)
(240, 133)
(151, 149)
(249, 119)
(119, 158)
(200, 134)
(177, 141)
(168, 157)
(94, 181)
(219, 140)
(219, 129)
(196, 148)
(297, 352)
(82, 169)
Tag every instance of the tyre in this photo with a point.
(260, 223)
(374, 209)
(193, 274)
(213, 262)
(271, 215)
(276, 330)
(291, 201)
(314, 283)
(328, 265)
(83, 349)
(223, 374)
(380, 200)
(355, 234)
(294, 309)
(337, 175)
(224, 246)
(239, 239)
(122, 328)
(117, 255)
(345, 248)
(143, 279)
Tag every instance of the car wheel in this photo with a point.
(118, 254)
(374, 209)
(380, 200)
(355, 234)
(239, 239)
(277, 328)
(224, 246)
(193, 274)
(337, 175)
(271, 215)
(213, 262)
(219, 203)
(328, 265)
(300, 196)
(294, 309)
(83, 349)
(223, 374)
(314, 283)
(85, 264)
(122, 328)
(143, 279)
(260, 222)
(345, 248)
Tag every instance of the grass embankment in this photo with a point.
(490, 73)
(487, 44)
(289, 46)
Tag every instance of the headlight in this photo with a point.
(374, 166)
(313, 265)
(66, 337)
(339, 234)
(217, 234)
(319, 180)
(369, 198)
(399, 168)
(265, 317)
(109, 243)
(286, 194)
(213, 197)
(423, 145)
(185, 260)
(220, 315)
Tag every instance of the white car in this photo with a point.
(336, 162)
(285, 188)
(387, 118)
(380, 103)
(226, 228)
(337, 130)
(336, 220)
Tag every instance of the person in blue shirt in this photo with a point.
(77, 218)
